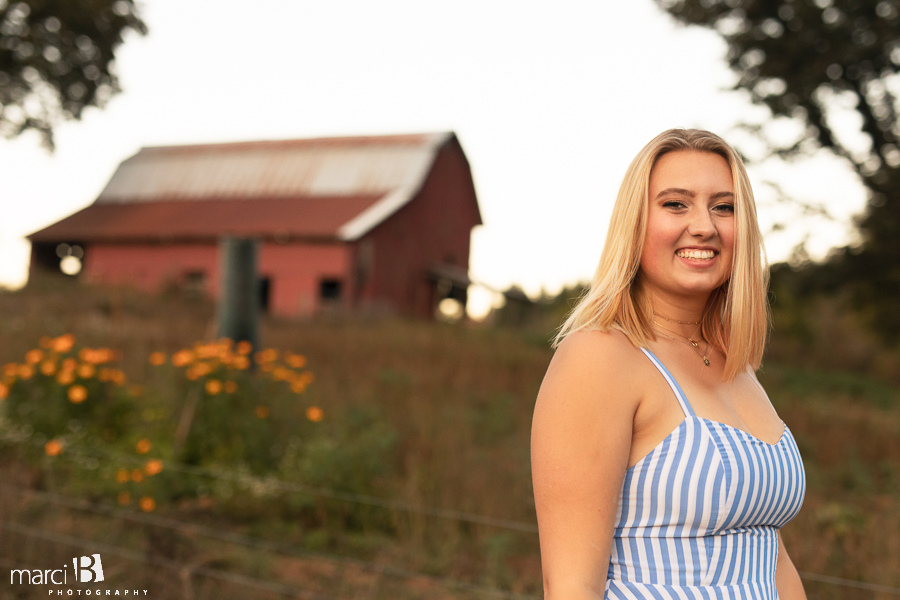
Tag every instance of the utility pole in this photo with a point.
(238, 310)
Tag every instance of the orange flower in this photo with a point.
(48, 367)
(63, 343)
(298, 361)
(314, 414)
(157, 359)
(198, 370)
(77, 394)
(241, 362)
(33, 357)
(244, 347)
(206, 350)
(53, 448)
(262, 412)
(69, 364)
(306, 377)
(213, 387)
(143, 446)
(182, 358)
(65, 377)
(45, 342)
(10, 369)
(4, 391)
(117, 376)
(137, 475)
(122, 475)
(230, 387)
(282, 374)
(298, 387)
(124, 498)
(96, 356)
(153, 467)
(26, 371)
(147, 504)
(267, 355)
(86, 370)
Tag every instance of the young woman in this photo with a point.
(660, 467)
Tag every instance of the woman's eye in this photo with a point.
(729, 208)
(673, 204)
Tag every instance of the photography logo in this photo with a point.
(91, 569)
(88, 569)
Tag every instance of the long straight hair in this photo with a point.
(736, 319)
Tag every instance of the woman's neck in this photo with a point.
(692, 313)
(681, 316)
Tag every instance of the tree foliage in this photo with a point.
(819, 61)
(56, 58)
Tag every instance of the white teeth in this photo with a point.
(697, 254)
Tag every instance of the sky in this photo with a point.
(550, 102)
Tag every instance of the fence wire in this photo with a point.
(192, 529)
(158, 561)
(286, 486)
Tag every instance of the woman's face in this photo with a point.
(690, 224)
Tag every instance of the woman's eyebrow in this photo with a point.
(679, 191)
(718, 195)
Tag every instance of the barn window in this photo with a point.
(265, 288)
(330, 289)
(194, 283)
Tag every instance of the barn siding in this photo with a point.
(295, 270)
(434, 227)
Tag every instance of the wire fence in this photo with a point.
(274, 484)
(192, 529)
(271, 483)
(158, 561)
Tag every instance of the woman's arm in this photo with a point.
(580, 443)
(787, 580)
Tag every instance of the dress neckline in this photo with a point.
(689, 410)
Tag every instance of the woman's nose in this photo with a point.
(701, 223)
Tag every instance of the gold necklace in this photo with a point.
(693, 343)
(675, 320)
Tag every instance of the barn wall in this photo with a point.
(151, 267)
(295, 271)
(434, 227)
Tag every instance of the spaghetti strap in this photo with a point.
(679, 395)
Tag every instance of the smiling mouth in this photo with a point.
(696, 254)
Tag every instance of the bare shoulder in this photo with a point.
(591, 370)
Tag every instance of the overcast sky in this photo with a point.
(550, 102)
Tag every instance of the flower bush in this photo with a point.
(217, 405)
(59, 390)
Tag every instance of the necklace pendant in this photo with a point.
(706, 361)
(695, 344)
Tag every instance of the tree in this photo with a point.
(813, 60)
(56, 58)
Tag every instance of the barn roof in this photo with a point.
(328, 187)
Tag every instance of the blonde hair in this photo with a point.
(736, 319)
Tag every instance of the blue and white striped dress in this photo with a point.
(698, 516)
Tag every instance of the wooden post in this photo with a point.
(238, 310)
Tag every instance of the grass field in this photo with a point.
(429, 416)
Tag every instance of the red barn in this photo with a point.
(358, 222)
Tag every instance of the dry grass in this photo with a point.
(460, 400)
